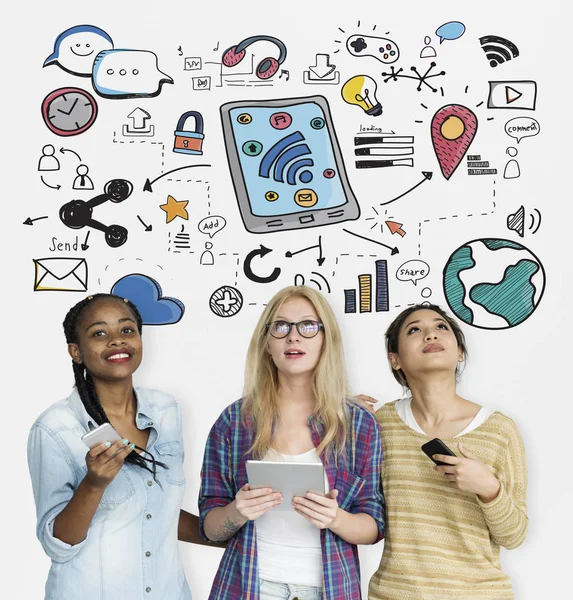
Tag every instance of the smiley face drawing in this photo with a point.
(76, 48)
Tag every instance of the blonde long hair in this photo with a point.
(330, 387)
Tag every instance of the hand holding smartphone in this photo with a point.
(436, 446)
(101, 434)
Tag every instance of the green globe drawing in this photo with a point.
(493, 283)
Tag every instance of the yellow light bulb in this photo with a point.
(361, 91)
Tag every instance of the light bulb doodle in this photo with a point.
(361, 91)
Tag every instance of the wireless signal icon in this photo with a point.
(498, 50)
(285, 151)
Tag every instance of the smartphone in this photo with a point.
(103, 433)
(436, 446)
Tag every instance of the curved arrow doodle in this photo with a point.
(261, 251)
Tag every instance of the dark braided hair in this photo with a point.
(84, 382)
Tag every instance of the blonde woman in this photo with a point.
(295, 407)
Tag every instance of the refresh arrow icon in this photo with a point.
(261, 251)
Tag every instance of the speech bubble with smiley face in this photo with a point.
(76, 48)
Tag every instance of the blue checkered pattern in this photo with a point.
(357, 477)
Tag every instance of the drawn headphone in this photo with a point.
(78, 213)
(267, 67)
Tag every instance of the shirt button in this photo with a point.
(148, 553)
(148, 589)
(150, 423)
(148, 516)
(149, 483)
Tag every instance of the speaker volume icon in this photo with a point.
(516, 221)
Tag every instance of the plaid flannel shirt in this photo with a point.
(357, 479)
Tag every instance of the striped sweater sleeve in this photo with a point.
(506, 515)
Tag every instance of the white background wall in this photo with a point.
(522, 371)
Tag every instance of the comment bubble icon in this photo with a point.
(211, 225)
(522, 127)
(450, 31)
(381, 48)
(76, 48)
(413, 270)
(123, 73)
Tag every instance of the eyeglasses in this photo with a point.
(306, 328)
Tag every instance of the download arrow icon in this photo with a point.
(322, 66)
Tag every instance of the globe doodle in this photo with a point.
(493, 283)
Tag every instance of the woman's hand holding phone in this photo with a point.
(469, 474)
(104, 462)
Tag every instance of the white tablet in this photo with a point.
(289, 478)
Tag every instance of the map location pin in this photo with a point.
(453, 129)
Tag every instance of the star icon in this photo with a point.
(175, 208)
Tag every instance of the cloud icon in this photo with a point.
(145, 293)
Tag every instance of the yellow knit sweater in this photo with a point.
(443, 543)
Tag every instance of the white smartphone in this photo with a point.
(103, 433)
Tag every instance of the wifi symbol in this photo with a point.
(497, 49)
(285, 151)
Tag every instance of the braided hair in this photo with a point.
(84, 382)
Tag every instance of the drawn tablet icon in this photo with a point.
(299, 149)
(226, 301)
(244, 119)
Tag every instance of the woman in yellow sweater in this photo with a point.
(445, 524)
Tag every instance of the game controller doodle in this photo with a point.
(78, 213)
(381, 48)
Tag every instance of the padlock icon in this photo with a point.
(189, 142)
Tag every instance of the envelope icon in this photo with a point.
(60, 274)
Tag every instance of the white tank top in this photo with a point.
(404, 410)
(288, 545)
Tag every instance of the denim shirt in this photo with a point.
(131, 550)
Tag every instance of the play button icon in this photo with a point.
(511, 95)
(519, 95)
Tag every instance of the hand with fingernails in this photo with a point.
(469, 474)
(320, 510)
(105, 460)
(366, 401)
(251, 504)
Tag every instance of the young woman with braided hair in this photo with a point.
(110, 518)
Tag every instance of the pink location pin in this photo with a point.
(453, 129)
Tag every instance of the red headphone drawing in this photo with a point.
(267, 67)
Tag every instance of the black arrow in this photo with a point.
(62, 150)
(262, 251)
(394, 250)
(149, 182)
(427, 176)
(147, 227)
(56, 187)
(320, 260)
(30, 221)
(85, 244)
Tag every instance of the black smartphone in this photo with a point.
(436, 446)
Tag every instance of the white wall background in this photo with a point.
(523, 371)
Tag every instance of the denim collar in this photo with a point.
(145, 414)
